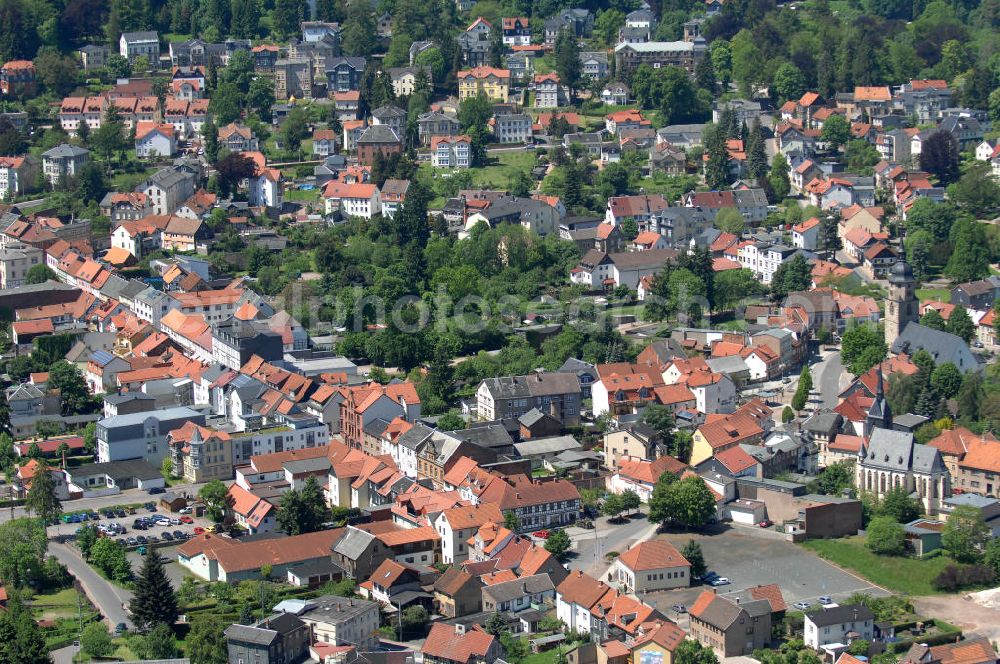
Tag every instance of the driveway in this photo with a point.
(107, 597)
(749, 557)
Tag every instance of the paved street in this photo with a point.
(590, 546)
(830, 379)
(107, 597)
(95, 504)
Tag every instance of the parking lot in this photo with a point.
(749, 558)
(138, 527)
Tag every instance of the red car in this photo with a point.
(541, 534)
(765, 523)
(186, 519)
(199, 531)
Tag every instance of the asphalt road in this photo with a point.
(590, 546)
(829, 373)
(107, 597)
(95, 504)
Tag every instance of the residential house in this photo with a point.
(649, 566)
(838, 625)
(17, 175)
(511, 127)
(728, 627)
(451, 152)
(279, 639)
(453, 644)
(458, 593)
(377, 139)
(356, 200)
(494, 83)
(63, 161)
(132, 45)
(556, 394)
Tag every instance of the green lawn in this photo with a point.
(909, 576)
(546, 657)
(940, 294)
(497, 175)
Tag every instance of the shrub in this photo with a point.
(954, 577)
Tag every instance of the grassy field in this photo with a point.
(898, 574)
(497, 175)
(940, 294)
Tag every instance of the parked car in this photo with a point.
(679, 608)
(766, 523)
(186, 510)
(186, 519)
(585, 523)
(541, 534)
(150, 507)
(801, 606)
(156, 490)
(142, 540)
(121, 627)
(720, 581)
(825, 599)
(179, 534)
(199, 530)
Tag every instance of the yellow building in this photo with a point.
(494, 83)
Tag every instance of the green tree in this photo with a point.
(358, 35)
(836, 130)
(214, 495)
(919, 247)
(801, 395)
(495, 624)
(245, 19)
(76, 398)
(969, 258)
(789, 82)
(729, 220)
(692, 552)
(977, 190)
(965, 534)
(108, 556)
(898, 504)
(778, 177)
(294, 130)
(690, 502)
(85, 540)
(756, 155)
(939, 156)
(225, 104)
(613, 506)
(286, 16)
(860, 156)
(791, 276)
(303, 511)
(717, 166)
(787, 415)
(23, 554)
(659, 501)
(206, 643)
(511, 521)
(159, 643)
(932, 318)
(21, 639)
(692, 652)
(210, 139)
(39, 274)
(558, 543)
(886, 536)
(567, 59)
(153, 601)
(95, 641)
(631, 501)
(862, 347)
(991, 556)
(42, 500)
(946, 380)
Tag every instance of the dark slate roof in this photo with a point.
(379, 134)
(943, 346)
(837, 615)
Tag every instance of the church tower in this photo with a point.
(901, 305)
(879, 415)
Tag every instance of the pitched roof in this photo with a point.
(445, 642)
(653, 554)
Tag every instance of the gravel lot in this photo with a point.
(749, 558)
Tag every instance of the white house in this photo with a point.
(355, 200)
(806, 234)
(451, 152)
(155, 140)
(457, 525)
(834, 624)
(651, 565)
(16, 175)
